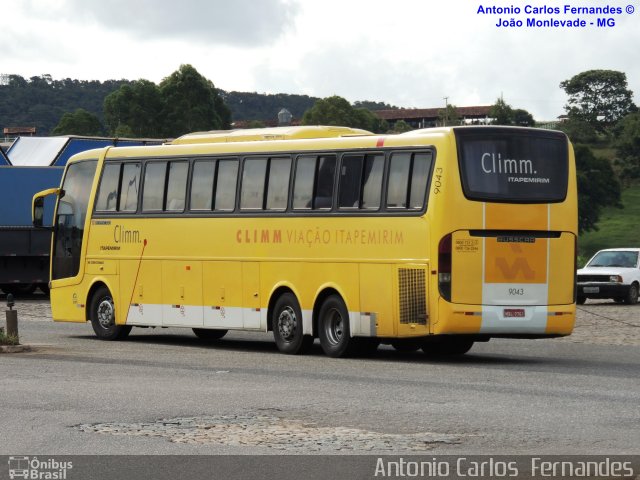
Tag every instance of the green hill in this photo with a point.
(618, 227)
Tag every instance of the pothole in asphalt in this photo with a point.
(258, 430)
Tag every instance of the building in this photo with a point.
(429, 117)
(11, 133)
(415, 117)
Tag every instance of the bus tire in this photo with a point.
(286, 323)
(334, 332)
(632, 296)
(103, 317)
(209, 334)
(443, 347)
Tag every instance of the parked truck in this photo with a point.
(33, 164)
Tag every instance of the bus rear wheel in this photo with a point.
(209, 334)
(334, 332)
(443, 347)
(286, 323)
(103, 317)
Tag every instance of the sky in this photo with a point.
(408, 53)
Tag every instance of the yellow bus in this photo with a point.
(432, 239)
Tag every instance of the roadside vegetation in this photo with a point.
(7, 340)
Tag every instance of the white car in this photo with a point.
(611, 273)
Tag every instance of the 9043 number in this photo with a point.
(437, 180)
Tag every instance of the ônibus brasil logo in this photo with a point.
(36, 469)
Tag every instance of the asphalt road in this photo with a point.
(165, 392)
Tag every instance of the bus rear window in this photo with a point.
(515, 166)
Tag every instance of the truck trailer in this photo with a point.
(33, 164)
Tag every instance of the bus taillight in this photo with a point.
(444, 267)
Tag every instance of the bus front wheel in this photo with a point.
(103, 317)
(334, 333)
(286, 323)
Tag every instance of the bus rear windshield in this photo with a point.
(517, 166)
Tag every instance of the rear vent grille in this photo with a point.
(413, 296)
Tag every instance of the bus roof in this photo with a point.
(252, 141)
(275, 133)
(280, 139)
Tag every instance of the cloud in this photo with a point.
(236, 22)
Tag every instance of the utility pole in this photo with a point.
(446, 111)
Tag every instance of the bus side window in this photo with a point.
(361, 181)
(177, 186)
(399, 171)
(303, 182)
(372, 182)
(129, 187)
(108, 190)
(278, 185)
(323, 197)
(153, 189)
(253, 179)
(350, 176)
(202, 185)
(420, 179)
(408, 179)
(313, 183)
(227, 179)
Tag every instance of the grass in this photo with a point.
(616, 228)
(8, 340)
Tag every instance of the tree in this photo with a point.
(373, 106)
(256, 124)
(42, 101)
(598, 97)
(598, 187)
(501, 112)
(400, 127)
(191, 103)
(628, 147)
(135, 110)
(338, 111)
(522, 118)
(79, 122)
(448, 116)
(578, 130)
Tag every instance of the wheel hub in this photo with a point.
(105, 313)
(287, 324)
(335, 327)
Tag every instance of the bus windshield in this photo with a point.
(70, 218)
(513, 166)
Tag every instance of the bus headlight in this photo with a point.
(615, 278)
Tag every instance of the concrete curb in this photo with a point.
(15, 348)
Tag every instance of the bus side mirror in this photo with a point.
(38, 211)
(37, 206)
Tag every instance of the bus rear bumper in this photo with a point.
(505, 320)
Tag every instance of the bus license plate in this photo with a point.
(513, 312)
(591, 289)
